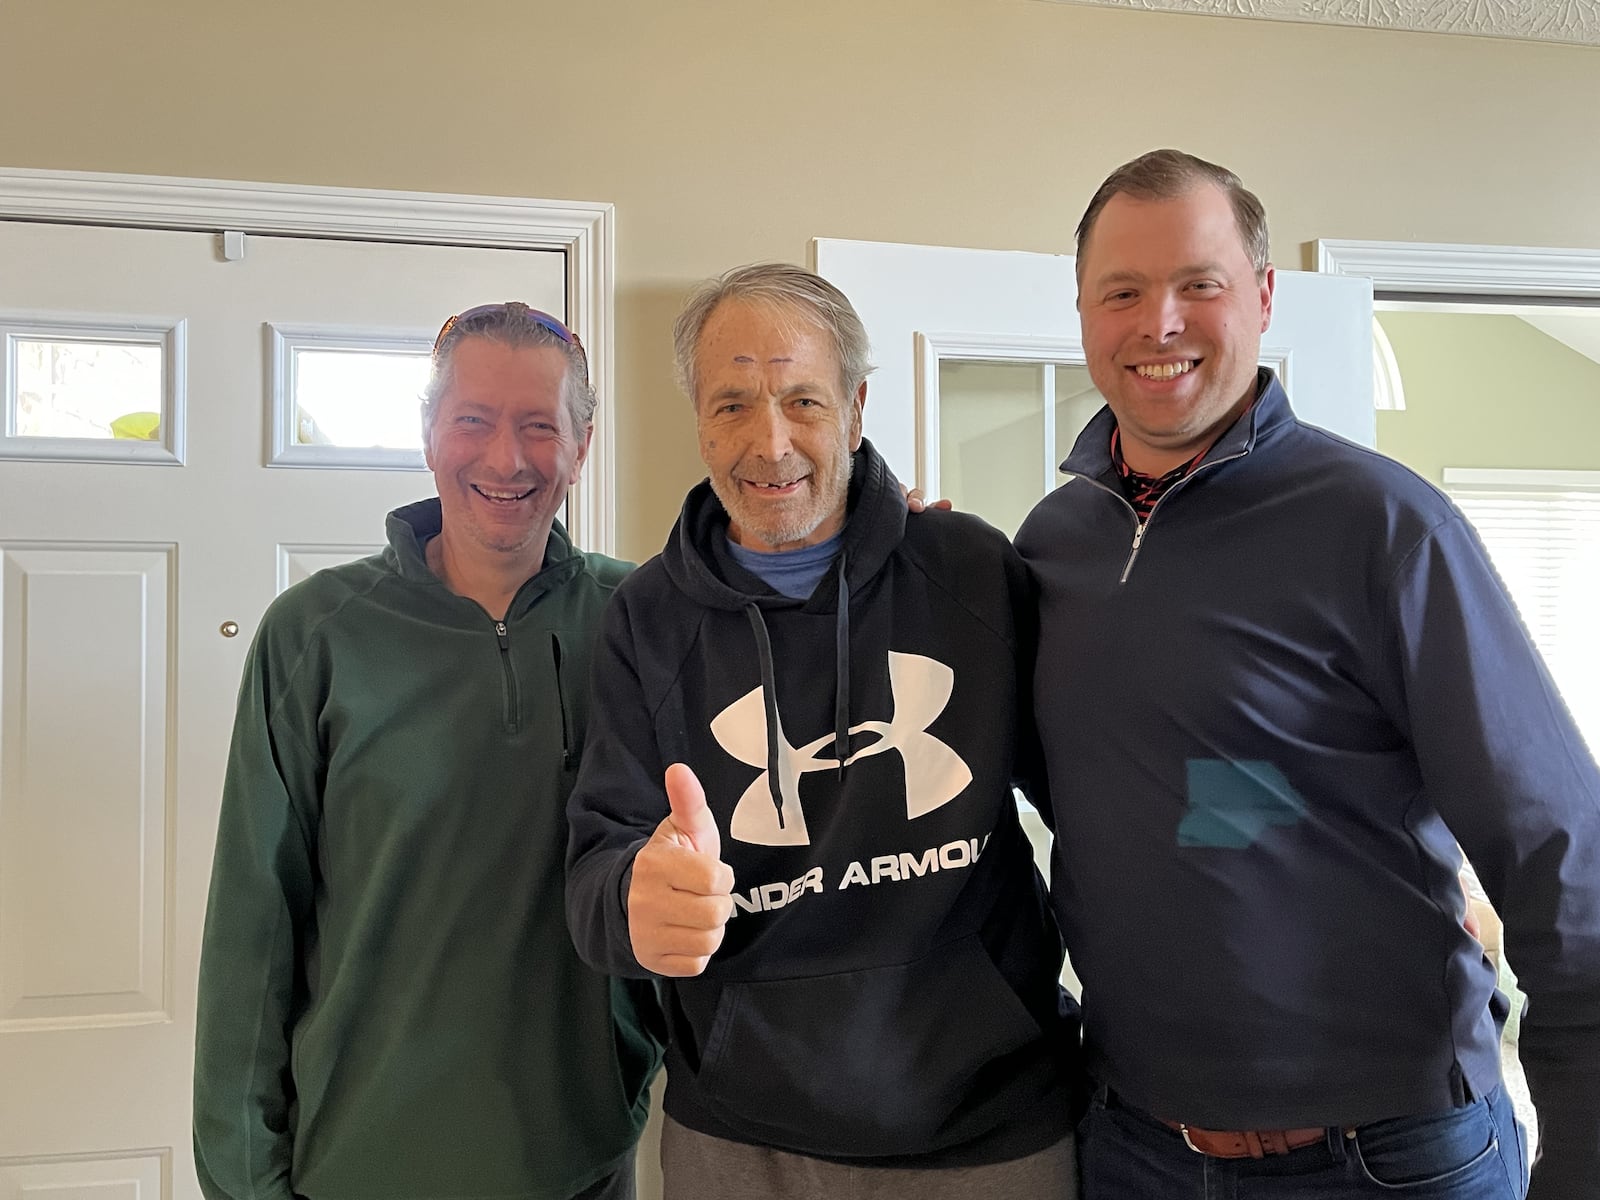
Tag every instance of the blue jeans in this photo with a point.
(1477, 1152)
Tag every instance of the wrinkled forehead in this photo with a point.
(759, 336)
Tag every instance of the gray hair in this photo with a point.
(792, 289)
(1169, 174)
(517, 327)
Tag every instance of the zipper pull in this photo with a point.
(500, 632)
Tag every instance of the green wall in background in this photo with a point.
(1487, 390)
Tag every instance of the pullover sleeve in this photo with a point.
(257, 925)
(619, 799)
(1505, 765)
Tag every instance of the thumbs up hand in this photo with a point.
(680, 896)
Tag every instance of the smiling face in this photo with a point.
(776, 426)
(503, 452)
(1173, 314)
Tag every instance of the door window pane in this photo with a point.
(67, 388)
(1004, 427)
(347, 397)
(359, 398)
(82, 387)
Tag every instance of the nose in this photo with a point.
(770, 435)
(1161, 315)
(504, 454)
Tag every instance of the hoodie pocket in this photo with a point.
(892, 1060)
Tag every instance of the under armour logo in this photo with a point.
(935, 774)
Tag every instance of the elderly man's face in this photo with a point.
(502, 449)
(1172, 314)
(776, 427)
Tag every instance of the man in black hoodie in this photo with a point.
(796, 803)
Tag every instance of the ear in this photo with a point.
(583, 454)
(857, 406)
(1268, 281)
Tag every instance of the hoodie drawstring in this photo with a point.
(841, 673)
(769, 693)
(841, 692)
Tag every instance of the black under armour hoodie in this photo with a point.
(887, 987)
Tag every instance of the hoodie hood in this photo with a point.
(698, 563)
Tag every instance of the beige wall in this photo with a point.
(729, 130)
(1486, 390)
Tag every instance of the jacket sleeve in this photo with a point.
(619, 799)
(251, 961)
(1507, 769)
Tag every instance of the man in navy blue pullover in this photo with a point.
(1280, 688)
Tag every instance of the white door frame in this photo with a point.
(1459, 272)
(585, 232)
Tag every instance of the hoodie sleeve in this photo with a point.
(257, 919)
(1028, 769)
(1507, 768)
(617, 803)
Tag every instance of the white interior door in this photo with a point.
(120, 576)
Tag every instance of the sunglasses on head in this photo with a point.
(531, 315)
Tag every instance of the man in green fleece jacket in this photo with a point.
(390, 1004)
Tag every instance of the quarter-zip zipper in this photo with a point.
(513, 700)
(1140, 528)
(561, 702)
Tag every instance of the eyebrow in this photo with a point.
(745, 358)
(735, 392)
(1182, 272)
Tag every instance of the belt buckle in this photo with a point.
(1187, 1140)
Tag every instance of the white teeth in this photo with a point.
(1165, 370)
(494, 494)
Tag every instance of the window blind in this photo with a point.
(1542, 531)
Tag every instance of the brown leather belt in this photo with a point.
(1246, 1143)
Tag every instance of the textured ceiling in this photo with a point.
(1537, 20)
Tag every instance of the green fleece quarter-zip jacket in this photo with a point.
(390, 1004)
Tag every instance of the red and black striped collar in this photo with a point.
(1143, 490)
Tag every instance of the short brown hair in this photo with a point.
(1168, 174)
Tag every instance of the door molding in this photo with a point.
(1463, 271)
(584, 232)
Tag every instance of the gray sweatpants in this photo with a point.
(697, 1167)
